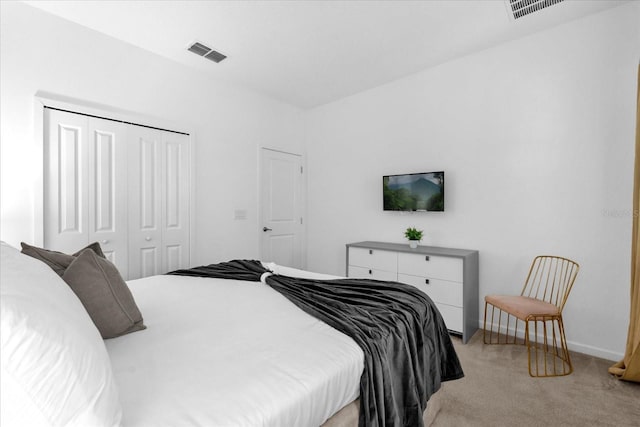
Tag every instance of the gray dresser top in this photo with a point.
(426, 250)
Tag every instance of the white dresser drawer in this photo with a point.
(356, 272)
(440, 291)
(452, 316)
(437, 267)
(374, 258)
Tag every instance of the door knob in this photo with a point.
(265, 229)
(104, 242)
(148, 239)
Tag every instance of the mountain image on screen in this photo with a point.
(415, 192)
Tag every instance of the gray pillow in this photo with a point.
(58, 261)
(104, 294)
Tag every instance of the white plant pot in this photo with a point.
(413, 244)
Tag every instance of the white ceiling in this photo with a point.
(308, 53)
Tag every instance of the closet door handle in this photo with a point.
(426, 281)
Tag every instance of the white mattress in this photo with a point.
(230, 353)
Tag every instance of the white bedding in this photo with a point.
(230, 353)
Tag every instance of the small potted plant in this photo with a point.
(414, 235)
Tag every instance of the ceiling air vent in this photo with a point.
(207, 52)
(215, 56)
(522, 8)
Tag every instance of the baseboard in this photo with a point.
(573, 346)
(595, 351)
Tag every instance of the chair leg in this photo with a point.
(488, 330)
(566, 358)
(484, 326)
(490, 339)
(549, 358)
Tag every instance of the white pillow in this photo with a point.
(294, 272)
(55, 368)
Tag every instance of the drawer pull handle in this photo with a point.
(426, 281)
(370, 272)
(370, 251)
(426, 258)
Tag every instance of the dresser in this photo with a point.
(449, 276)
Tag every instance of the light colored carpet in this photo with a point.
(498, 391)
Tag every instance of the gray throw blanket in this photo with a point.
(406, 345)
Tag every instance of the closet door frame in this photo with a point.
(45, 99)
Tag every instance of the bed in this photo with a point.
(215, 352)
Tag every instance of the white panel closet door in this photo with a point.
(145, 229)
(108, 190)
(66, 172)
(158, 201)
(175, 206)
(124, 186)
(85, 185)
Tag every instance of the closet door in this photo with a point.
(158, 201)
(145, 190)
(108, 190)
(66, 175)
(85, 185)
(175, 197)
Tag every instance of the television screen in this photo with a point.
(414, 192)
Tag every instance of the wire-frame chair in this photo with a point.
(539, 306)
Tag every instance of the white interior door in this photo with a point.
(282, 226)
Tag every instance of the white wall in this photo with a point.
(41, 52)
(536, 139)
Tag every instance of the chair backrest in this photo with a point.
(550, 279)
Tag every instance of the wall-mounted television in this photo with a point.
(413, 192)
